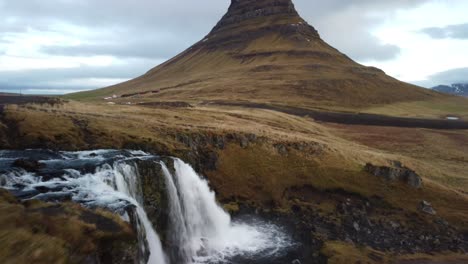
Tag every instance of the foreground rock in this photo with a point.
(29, 165)
(38, 232)
(397, 173)
(426, 207)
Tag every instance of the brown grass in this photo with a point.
(267, 60)
(333, 158)
(37, 232)
(348, 253)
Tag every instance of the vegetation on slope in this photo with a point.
(264, 52)
(38, 232)
(277, 163)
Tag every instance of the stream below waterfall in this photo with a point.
(199, 230)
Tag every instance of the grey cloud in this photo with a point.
(159, 29)
(355, 39)
(459, 31)
(458, 75)
(345, 25)
(191, 20)
(54, 78)
(145, 50)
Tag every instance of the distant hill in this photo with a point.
(264, 52)
(460, 89)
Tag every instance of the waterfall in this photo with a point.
(127, 182)
(114, 184)
(202, 231)
(108, 187)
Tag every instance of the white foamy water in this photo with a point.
(114, 186)
(204, 231)
(200, 231)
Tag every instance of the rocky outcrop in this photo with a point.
(28, 164)
(154, 193)
(244, 23)
(427, 208)
(38, 232)
(396, 173)
(371, 222)
(202, 148)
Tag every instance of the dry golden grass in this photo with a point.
(259, 173)
(437, 108)
(37, 232)
(331, 157)
(346, 253)
(266, 59)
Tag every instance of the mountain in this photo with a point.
(263, 51)
(460, 89)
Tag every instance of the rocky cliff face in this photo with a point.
(246, 21)
(460, 89)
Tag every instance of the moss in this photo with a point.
(231, 207)
(38, 232)
(347, 253)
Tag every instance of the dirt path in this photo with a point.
(355, 119)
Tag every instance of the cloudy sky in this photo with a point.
(60, 46)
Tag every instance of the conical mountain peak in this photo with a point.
(262, 51)
(247, 20)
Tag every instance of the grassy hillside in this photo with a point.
(272, 56)
(284, 166)
(275, 162)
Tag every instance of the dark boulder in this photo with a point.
(396, 174)
(427, 208)
(29, 165)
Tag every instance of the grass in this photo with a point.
(300, 69)
(348, 253)
(330, 157)
(323, 156)
(37, 232)
(438, 108)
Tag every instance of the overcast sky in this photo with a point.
(60, 46)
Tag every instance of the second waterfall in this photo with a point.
(202, 232)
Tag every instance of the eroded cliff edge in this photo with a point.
(318, 184)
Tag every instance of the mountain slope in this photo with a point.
(263, 51)
(460, 89)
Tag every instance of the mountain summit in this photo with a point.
(262, 51)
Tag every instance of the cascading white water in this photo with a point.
(200, 231)
(126, 181)
(109, 186)
(203, 231)
(113, 185)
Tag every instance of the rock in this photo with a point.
(397, 164)
(426, 207)
(442, 222)
(394, 225)
(282, 150)
(219, 142)
(24, 194)
(28, 164)
(413, 179)
(296, 261)
(244, 142)
(397, 173)
(3, 180)
(251, 137)
(356, 226)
